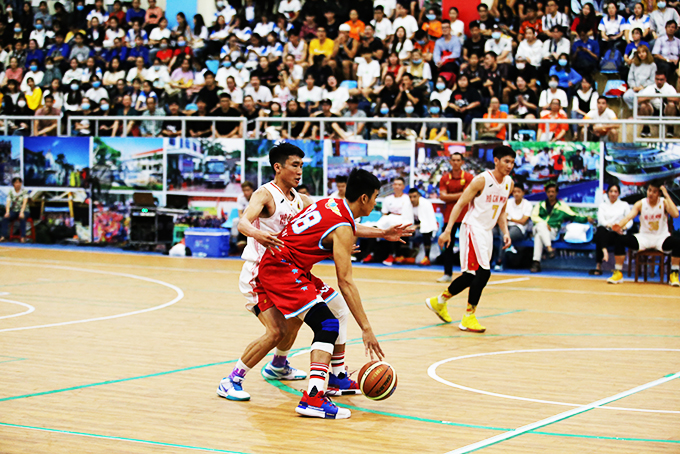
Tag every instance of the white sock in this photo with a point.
(317, 376)
(240, 370)
(338, 363)
(618, 267)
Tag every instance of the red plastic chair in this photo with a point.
(17, 236)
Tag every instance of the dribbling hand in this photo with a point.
(371, 344)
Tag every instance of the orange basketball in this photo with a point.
(377, 380)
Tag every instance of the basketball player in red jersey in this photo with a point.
(269, 210)
(324, 229)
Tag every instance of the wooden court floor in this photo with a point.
(114, 353)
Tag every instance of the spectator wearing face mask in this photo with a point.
(97, 92)
(39, 33)
(51, 73)
(552, 92)
(34, 73)
(568, 79)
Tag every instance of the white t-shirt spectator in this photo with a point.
(369, 73)
(408, 22)
(157, 34)
(443, 96)
(405, 50)
(533, 53)
(667, 89)
(264, 94)
(263, 29)
(610, 213)
(549, 21)
(338, 97)
(383, 29)
(561, 47)
(388, 6)
(241, 203)
(516, 212)
(224, 73)
(133, 74)
(594, 114)
(289, 7)
(458, 29)
(103, 17)
(110, 35)
(306, 95)
(400, 207)
(73, 74)
(236, 94)
(643, 24)
(97, 94)
(612, 26)
(503, 44)
(547, 96)
(298, 73)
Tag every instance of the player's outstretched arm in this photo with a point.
(470, 193)
(394, 233)
(618, 228)
(343, 241)
(671, 208)
(260, 199)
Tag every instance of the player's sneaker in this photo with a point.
(399, 260)
(368, 259)
(319, 405)
(231, 388)
(286, 372)
(616, 278)
(445, 279)
(389, 261)
(342, 385)
(425, 262)
(674, 281)
(470, 323)
(437, 304)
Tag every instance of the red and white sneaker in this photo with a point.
(368, 259)
(342, 385)
(389, 261)
(320, 406)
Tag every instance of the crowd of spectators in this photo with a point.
(330, 58)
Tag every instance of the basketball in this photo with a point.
(377, 380)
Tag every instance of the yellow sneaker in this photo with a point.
(470, 323)
(675, 282)
(616, 278)
(437, 304)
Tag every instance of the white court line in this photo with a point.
(385, 281)
(30, 308)
(180, 295)
(560, 417)
(432, 372)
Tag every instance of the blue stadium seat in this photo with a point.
(233, 216)
(505, 108)
(349, 84)
(530, 132)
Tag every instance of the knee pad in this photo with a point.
(338, 307)
(325, 327)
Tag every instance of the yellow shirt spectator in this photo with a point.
(317, 48)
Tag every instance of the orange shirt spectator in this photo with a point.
(537, 25)
(356, 27)
(493, 126)
(557, 129)
(428, 48)
(433, 29)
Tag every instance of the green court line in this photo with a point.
(157, 374)
(284, 387)
(110, 382)
(13, 358)
(110, 437)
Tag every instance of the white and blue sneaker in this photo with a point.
(286, 372)
(319, 405)
(232, 389)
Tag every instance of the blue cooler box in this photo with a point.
(207, 242)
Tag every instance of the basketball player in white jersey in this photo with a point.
(485, 197)
(654, 232)
(269, 210)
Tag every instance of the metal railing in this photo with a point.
(571, 121)
(29, 119)
(388, 120)
(662, 124)
(126, 120)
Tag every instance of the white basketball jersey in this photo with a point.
(285, 210)
(653, 219)
(485, 209)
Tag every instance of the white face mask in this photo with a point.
(21, 103)
(521, 66)
(552, 84)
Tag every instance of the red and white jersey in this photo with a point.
(654, 219)
(486, 208)
(285, 211)
(304, 235)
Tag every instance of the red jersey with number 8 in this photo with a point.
(304, 234)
